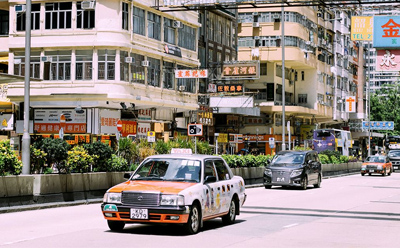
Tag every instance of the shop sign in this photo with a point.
(350, 104)
(205, 116)
(230, 88)
(386, 31)
(241, 69)
(128, 128)
(173, 50)
(48, 121)
(144, 114)
(191, 73)
(361, 28)
(7, 122)
(142, 129)
(236, 138)
(75, 139)
(254, 120)
(222, 138)
(306, 132)
(232, 120)
(255, 137)
(108, 121)
(3, 93)
(212, 88)
(388, 60)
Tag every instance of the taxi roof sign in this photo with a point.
(181, 151)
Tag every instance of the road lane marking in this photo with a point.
(291, 225)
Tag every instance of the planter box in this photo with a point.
(11, 186)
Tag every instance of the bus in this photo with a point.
(333, 140)
(392, 142)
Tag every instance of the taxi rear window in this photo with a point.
(169, 169)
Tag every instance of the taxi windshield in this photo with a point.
(288, 158)
(169, 169)
(376, 159)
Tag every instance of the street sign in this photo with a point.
(378, 125)
(151, 136)
(119, 125)
(272, 142)
(195, 129)
(61, 133)
(62, 121)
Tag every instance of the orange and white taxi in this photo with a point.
(176, 189)
(377, 164)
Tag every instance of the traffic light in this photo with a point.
(296, 142)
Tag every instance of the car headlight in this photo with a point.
(363, 168)
(379, 167)
(268, 172)
(172, 200)
(112, 197)
(296, 173)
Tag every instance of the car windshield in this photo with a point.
(394, 153)
(288, 158)
(376, 159)
(169, 169)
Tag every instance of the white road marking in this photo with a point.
(291, 225)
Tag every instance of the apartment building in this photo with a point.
(101, 61)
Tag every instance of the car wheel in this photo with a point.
(369, 174)
(362, 174)
(268, 186)
(390, 172)
(318, 184)
(230, 217)
(116, 225)
(304, 183)
(193, 224)
(384, 173)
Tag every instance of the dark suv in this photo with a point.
(394, 157)
(293, 168)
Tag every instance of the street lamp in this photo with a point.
(283, 75)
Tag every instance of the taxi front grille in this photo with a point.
(371, 166)
(140, 199)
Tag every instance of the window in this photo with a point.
(153, 72)
(222, 170)
(187, 38)
(168, 75)
(302, 76)
(169, 31)
(106, 60)
(59, 68)
(35, 19)
(84, 60)
(154, 26)
(19, 64)
(137, 69)
(263, 69)
(4, 22)
(302, 98)
(125, 16)
(84, 18)
(124, 67)
(209, 169)
(138, 21)
(270, 91)
(58, 15)
(188, 84)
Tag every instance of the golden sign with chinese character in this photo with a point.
(241, 70)
(230, 88)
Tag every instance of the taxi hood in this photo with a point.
(165, 187)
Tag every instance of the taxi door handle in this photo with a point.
(219, 188)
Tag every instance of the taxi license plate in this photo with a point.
(139, 213)
(371, 170)
(396, 167)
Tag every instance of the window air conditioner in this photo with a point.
(182, 88)
(129, 60)
(21, 8)
(255, 13)
(46, 59)
(276, 16)
(256, 37)
(256, 24)
(176, 24)
(145, 63)
(88, 4)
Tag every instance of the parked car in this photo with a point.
(176, 189)
(394, 157)
(294, 168)
(377, 164)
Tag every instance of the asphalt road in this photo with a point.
(350, 211)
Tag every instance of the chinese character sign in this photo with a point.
(386, 31)
(350, 104)
(361, 28)
(230, 88)
(247, 70)
(388, 60)
(378, 125)
(191, 74)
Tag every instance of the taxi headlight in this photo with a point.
(296, 173)
(379, 167)
(172, 200)
(112, 197)
(268, 172)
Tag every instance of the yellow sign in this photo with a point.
(223, 138)
(362, 28)
(151, 134)
(4, 123)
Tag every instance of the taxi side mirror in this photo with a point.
(127, 175)
(210, 179)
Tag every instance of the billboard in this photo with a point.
(388, 60)
(386, 31)
(378, 125)
(361, 28)
(241, 69)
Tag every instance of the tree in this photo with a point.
(384, 106)
(56, 150)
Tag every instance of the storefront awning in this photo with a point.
(4, 59)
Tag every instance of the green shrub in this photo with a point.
(133, 167)
(9, 162)
(79, 160)
(236, 161)
(117, 163)
(353, 159)
(101, 154)
(343, 159)
(329, 153)
(324, 159)
(301, 148)
(162, 147)
(334, 160)
(38, 160)
(56, 150)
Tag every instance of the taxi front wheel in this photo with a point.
(116, 225)
(193, 224)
